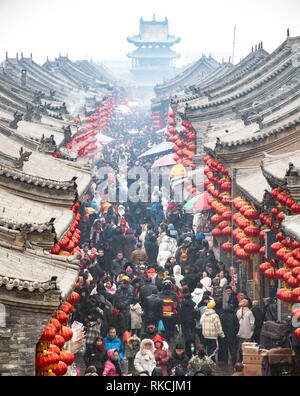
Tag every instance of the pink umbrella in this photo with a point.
(201, 203)
(166, 160)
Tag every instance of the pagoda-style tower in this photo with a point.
(153, 60)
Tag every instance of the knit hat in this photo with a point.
(211, 305)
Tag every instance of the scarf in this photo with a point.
(100, 347)
(115, 313)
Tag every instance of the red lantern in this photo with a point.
(66, 333)
(264, 266)
(215, 219)
(297, 334)
(55, 323)
(54, 348)
(292, 282)
(58, 341)
(270, 274)
(61, 316)
(66, 307)
(251, 214)
(227, 231)
(252, 231)
(280, 273)
(251, 248)
(276, 246)
(67, 357)
(48, 334)
(60, 368)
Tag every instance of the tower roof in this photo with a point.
(154, 32)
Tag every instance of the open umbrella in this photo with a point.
(166, 160)
(199, 202)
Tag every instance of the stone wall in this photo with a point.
(21, 326)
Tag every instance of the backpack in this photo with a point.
(168, 307)
(183, 256)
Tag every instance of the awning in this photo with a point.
(159, 149)
(166, 160)
(104, 139)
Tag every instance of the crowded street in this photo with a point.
(149, 191)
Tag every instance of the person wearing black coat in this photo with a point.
(146, 290)
(153, 307)
(151, 247)
(230, 325)
(124, 296)
(187, 317)
(118, 241)
(97, 356)
(259, 321)
(117, 265)
(177, 358)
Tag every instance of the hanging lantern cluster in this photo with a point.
(68, 245)
(51, 357)
(285, 202)
(184, 142)
(218, 185)
(246, 230)
(85, 142)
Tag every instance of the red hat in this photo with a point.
(158, 338)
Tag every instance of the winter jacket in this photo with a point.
(187, 311)
(109, 367)
(146, 291)
(246, 321)
(130, 243)
(161, 355)
(207, 285)
(96, 358)
(153, 308)
(125, 296)
(151, 247)
(211, 325)
(164, 252)
(177, 275)
(118, 321)
(144, 359)
(115, 343)
(130, 353)
(117, 266)
(176, 360)
(230, 324)
(118, 241)
(136, 316)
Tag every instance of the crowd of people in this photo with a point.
(153, 299)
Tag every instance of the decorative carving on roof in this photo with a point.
(17, 118)
(48, 145)
(37, 96)
(23, 157)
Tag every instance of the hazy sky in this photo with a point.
(98, 28)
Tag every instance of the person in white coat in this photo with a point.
(145, 359)
(247, 324)
(164, 252)
(177, 275)
(197, 293)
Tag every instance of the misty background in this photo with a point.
(97, 29)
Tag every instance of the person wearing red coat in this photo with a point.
(161, 354)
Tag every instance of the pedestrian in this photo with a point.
(112, 367)
(197, 294)
(259, 321)
(161, 354)
(112, 341)
(130, 244)
(230, 298)
(170, 308)
(151, 330)
(187, 317)
(91, 371)
(136, 313)
(131, 349)
(138, 255)
(151, 247)
(164, 252)
(211, 329)
(97, 356)
(238, 370)
(206, 283)
(197, 362)
(177, 275)
(153, 307)
(145, 359)
(229, 344)
(178, 358)
(247, 324)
